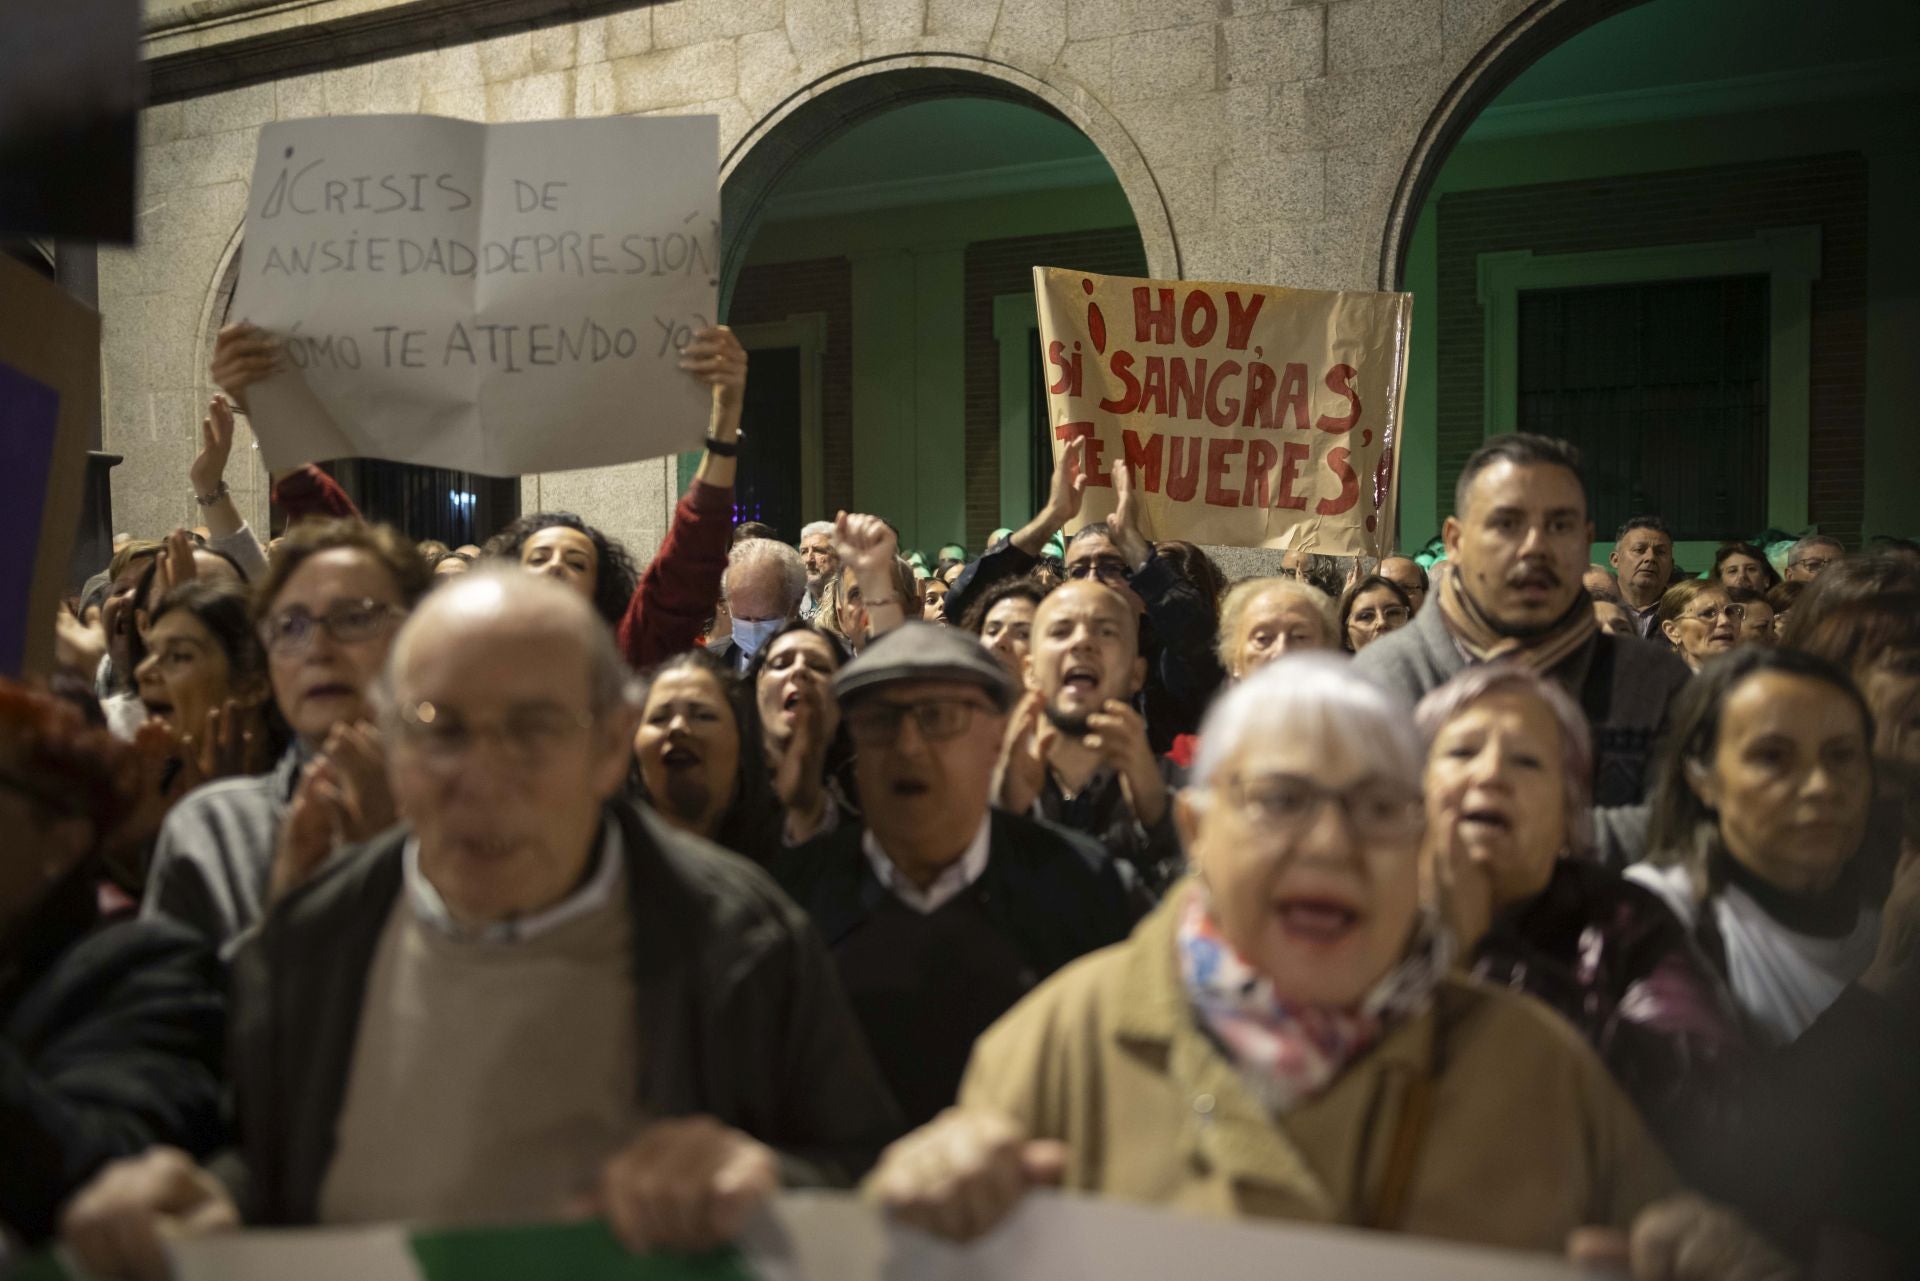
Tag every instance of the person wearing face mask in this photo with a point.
(1003, 620)
(762, 589)
(1076, 752)
(1699, 619)
(940, 910)
(1642, 560)
(1178, 619)
(1262, 619)
(326, 612)
(1284, 1037)
(1518, 541)
(1509, 865)
(1370, 609)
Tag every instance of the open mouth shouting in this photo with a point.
(1316, 918)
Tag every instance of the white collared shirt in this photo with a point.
(431, 909)
(946, 887)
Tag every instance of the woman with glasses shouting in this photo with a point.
(326, 613)
(1285, 1038)
(1699, 619)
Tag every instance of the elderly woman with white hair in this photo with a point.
(1510, 866)
(1285, 1037)
(1262, 619)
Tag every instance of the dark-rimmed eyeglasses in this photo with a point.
(877, 724)
(1285, 806)
(1110, 570)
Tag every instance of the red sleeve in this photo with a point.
(677, 593)
(311, 492)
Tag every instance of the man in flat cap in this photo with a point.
(940, 911)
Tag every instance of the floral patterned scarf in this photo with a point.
(1289, 1053)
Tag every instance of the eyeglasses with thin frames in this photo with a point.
(348, 622)
(1109, 570)
(1713, 613)
(526, 736)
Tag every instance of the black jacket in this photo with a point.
(1611, 959)
(1176, 636)
(926, 986)
(111, 1039)
(738, 1007)
(1100, 809)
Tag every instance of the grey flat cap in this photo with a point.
(916, 651)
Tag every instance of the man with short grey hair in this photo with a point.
(817, 554)
(1809, 557)
(763, 586)
(533, 996)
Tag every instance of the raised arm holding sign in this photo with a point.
(499, 299)
(1247, 415)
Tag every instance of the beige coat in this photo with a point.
(1527, 1137)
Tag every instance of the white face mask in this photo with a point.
(750, 635)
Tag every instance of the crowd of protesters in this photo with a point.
(1498, 897)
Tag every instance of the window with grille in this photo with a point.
(1663, 387)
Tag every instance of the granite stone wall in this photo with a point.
(1255, 139)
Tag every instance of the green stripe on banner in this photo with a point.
(574, 1252)
(36, 1267)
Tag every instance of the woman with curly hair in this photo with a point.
(561, 545)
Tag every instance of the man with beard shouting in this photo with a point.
(1077, 753)
(1518, 540)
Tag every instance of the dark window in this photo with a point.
(429, 502)
(1663, 386)
(767, 486)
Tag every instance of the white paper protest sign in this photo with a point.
(500, 299)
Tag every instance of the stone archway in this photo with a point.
(1539, 28)
(783, 137)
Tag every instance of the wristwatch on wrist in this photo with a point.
(723, 448)
(208, 500)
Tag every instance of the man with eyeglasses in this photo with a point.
(1809, 558)
(941, 911)
(1177, 622)
(533, 999)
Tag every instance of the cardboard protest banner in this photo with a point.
(1248, 415)
(500, 299)
(827, 1236)
(49, 375)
